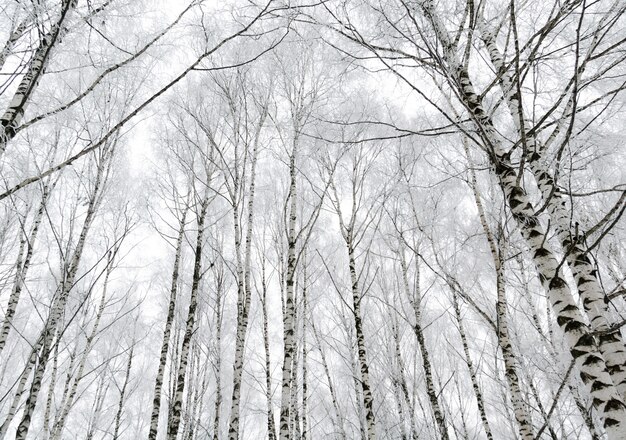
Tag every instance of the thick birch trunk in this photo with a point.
(158, 386)
(593, 370)
(17, 106)
(14, 36)
(585, 274)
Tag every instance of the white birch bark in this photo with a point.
(243, 276)
(120, 404)
(305, 385)
(158, 385)
(100, 396)
(175, 415)
(593, 370)
(480, 401)
(415, 299)
(14, 36)
(219, 281)
(41, 350)
(68, 400)
(522, 417)
(368, 400)
(338, 419)
(22, 269)
(289, 312)
(271, 428)
(14, 113)
(585, 274)
(401, 384)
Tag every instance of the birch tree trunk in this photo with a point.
(236, 184)
(120, 405)
(401, 383)
(305, 386)
(338, 419)
(585, 274)
(22, 269)
(368, 400)
(12, 116)
(68, 401)
(219, 277)
(243, 291)
(271, 428)
(607, 399)
(41, 349)
(174, 420)
(171, 309)
(480, 402)
(415, 299)
(15, 34)
(522, 417)
(289, 312)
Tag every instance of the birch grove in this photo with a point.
(337, 219)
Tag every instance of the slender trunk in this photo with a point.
(593, 370)
(522, 417)
(416, 303)
(120, 405)
(53, 382)
(337, 419)
(22, 269)
(243, 289)
(174, 421)
(156, 402)
(510, 365)
(68, 401)
(271, 429)
(470, 366)
(401, 383)
(218, 349)
(542, 410)
(356, 383)
(305, 391)
(193, 389)
(368, 401)
(41, 349)
(101, 392)
(401, 416)
(289, 313)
